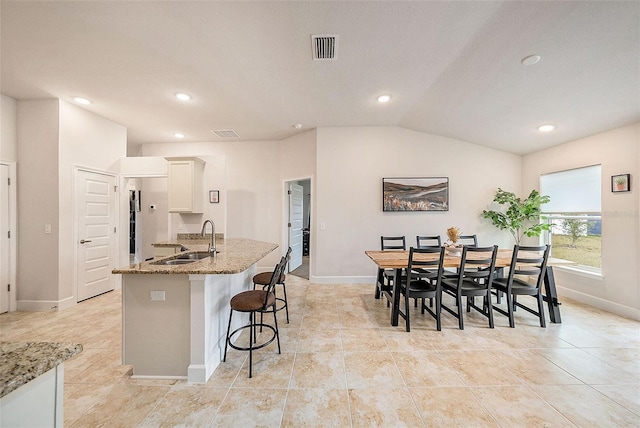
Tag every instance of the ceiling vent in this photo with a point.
(324, 47)
(226, 133)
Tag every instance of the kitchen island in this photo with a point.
(175, 315)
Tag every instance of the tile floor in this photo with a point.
(343, 365)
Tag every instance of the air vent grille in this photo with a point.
(226, 133)
(324, 46)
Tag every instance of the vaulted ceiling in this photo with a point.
(452, 68)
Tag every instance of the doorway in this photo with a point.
(299, 226)
(4, 238)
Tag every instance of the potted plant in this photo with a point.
(620, 183)
(521, 217)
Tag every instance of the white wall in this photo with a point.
(618, 151)
(54, 138)
(8, 134)
(351, 163)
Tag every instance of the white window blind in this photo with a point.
(573, 191)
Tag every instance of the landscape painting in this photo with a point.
(415, 194)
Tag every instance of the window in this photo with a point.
(575, 214)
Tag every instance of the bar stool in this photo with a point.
(264, 278)
(253, 302)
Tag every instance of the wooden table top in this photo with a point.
(393, 259)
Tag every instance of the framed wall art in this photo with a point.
(621, 183)
(415, 194)
(214, 196)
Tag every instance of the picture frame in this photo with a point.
(214, 196)
(621, 183)
(415, 194)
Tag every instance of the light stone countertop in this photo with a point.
(21, 362)
(234, 256)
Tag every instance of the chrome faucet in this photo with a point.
(212, 245)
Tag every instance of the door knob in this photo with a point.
(82, 241)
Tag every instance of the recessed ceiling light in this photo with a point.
(183, 97)
(384, 98)
(297, 126)
(530, 60)
(178, 135)
(546, 128)
(81, 100)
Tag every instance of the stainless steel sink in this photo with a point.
(194, 256)
(174, 262)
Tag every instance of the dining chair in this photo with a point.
(423, 280)
(386, 276)
(264, 278)
(468, 240)
(474, 278)
(526, 262)
(255, 302)
(428, 241)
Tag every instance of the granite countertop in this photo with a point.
(234, 256)
(21, 362)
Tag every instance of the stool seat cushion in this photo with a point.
(251, 300)
(264, 278)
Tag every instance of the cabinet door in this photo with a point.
(181, 186)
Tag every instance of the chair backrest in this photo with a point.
(468, 240)
(478, 263)
(275, 277)
(529, 261)
(392, 243)
(428, 241)
(426, 263)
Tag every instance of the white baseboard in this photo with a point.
(343, 280)
(597, 302)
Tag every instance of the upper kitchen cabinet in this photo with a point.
(186, 185)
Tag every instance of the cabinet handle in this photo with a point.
(82, 241)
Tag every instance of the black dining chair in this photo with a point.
(386, 276)
(468, 240)
(428, 241)
(530, 262)
(423, 281)
(474, 278)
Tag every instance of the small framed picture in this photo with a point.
(621, 183)
(214, 196)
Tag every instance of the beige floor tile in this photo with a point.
(425, 368)
(383, 407)
(245, 407)
(586, 367)
(625, 359)
(479, 367)
(403, 341)
(586, 407)
(372, 370)
(319, 370)
(362, 339)
(627, 396)
(187, 406)
(317, 408)
(269, 371)
(79, 398)
(319, 340)
(124, 405)
(451, 407)
(518, 406)
(533, 370)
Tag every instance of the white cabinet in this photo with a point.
(186, 186)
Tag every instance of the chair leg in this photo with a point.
(226, 342)
(460, 312)
(406, 309)
(490, 309)
(541, 311)
(510, 305)
(252, 332)
(275, 322)
(286, 304)
(438, 311)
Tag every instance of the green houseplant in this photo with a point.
(521, 217)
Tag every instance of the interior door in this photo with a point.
(96, 214)
(295, 225)
(4, 238)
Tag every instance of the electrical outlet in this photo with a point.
(47, 228)
(157, 295)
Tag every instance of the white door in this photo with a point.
(96, 214)
(295, 225)
(4, 239)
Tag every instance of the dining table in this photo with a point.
(399, 259)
